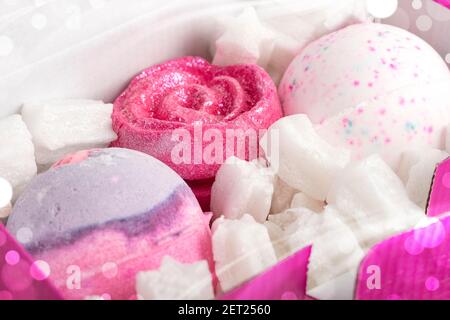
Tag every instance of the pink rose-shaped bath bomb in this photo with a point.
(206, 103)
(374, 88)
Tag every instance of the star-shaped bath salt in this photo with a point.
(176, 281)
(245, 41)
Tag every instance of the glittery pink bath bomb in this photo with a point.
(371, 87)
(189, 107)
(98, 217)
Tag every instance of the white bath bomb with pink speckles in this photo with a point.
(357, 80)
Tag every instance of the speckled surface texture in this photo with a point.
(373, 88)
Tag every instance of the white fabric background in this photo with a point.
(91, 48)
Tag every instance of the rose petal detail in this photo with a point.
(191, 94)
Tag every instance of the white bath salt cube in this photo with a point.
(279, 243)
(372, 201)
(242, 187)
(335, 249)
(60, 127)
(6, 195)
(301, 158)
(408, 159)
(301, 200)
(245, 41)
(17, 161)
(282, 196)
(421, 175)
(241, 249)
(285, 218)
(176, 281)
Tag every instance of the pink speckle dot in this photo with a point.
(12, 257)
(432, 284)
(412, 246)
(402, 101)
(382, 112)
(372, 49)
(289, 295)
(446, 180)
(356, 83)
(2, 238)
(40, 270)
(370, 84)
(5, 295)
(387, 140)
(393, 66)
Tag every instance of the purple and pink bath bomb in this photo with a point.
(100, 216)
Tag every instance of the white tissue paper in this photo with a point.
(242, 187)
(372, 201)
(61, 127)
(175, 281)
(242, 249)
(17, 162)
(301, 158)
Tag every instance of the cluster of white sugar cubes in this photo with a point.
(301, 158)
(272, 37)
(242, 187)
(372, 201)
(241, 249)
(335, 249)
(60, 127)
(176, 281)
(417, 167)
(17, 161)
